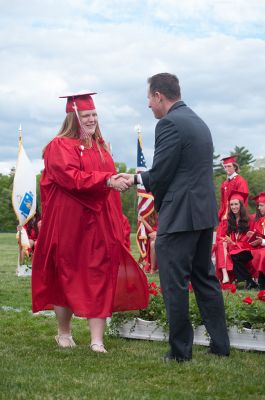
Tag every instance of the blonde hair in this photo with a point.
(70, 129)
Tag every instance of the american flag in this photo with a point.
(145, 201)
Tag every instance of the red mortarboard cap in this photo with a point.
(238, 195)
(83, 102)
(228, 160)
(260, 198)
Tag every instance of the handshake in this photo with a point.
(121, 182)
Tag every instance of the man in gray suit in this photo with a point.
(181, 180)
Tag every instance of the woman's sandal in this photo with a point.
(98, 348)
(65, 341)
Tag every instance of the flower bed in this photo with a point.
(245, 317)
(246, 339)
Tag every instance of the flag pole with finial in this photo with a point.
(138, 129)
(20, 256)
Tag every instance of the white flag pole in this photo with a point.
(20, 257)
(24, 191)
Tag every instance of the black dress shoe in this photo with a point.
(252, 285)
(171, 357)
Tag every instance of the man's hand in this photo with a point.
(118, 183)
(128, 177)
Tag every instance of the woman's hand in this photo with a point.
(227, 239)
(152, 235)
(249, 233)
(256, 242)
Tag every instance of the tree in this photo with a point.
(244, 157)
(120, 167)
(8, 221)
(217, 167)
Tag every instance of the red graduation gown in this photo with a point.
(258, 253)
(80, 261)
(224, 250)
(237, 183)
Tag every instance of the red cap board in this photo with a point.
(83, 102)
(228, 160)
(260, 198)
(235, 195)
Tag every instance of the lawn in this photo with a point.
(33, 367)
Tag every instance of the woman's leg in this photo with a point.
(64, 316)
(97, 327)
(153, 260)
(225, 276)
(240, 261)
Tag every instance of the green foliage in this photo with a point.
(244, 157)
(128, 198)
(218, 179)
(238, 313)
(244, 315)
(8, 220)
(120, 167)
(129, 206)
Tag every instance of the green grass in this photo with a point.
(33, 367)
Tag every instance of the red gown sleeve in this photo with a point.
(63, 165)
(242, 185)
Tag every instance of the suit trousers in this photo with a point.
(183, 257)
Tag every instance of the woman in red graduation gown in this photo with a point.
(258, 243)
(81, 265)
(233, 253)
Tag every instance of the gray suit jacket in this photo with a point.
(181, 177)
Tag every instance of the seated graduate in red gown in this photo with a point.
(29, 235)
(257, 239)
(81, 265)
(234, 181)
(32, 228)
(232, 250)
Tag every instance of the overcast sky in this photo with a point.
(56, 47)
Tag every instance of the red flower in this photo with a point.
(261, 295)
(153, 291)
(248, 300)
(229, 286)
(190, 287)
(152, 285)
